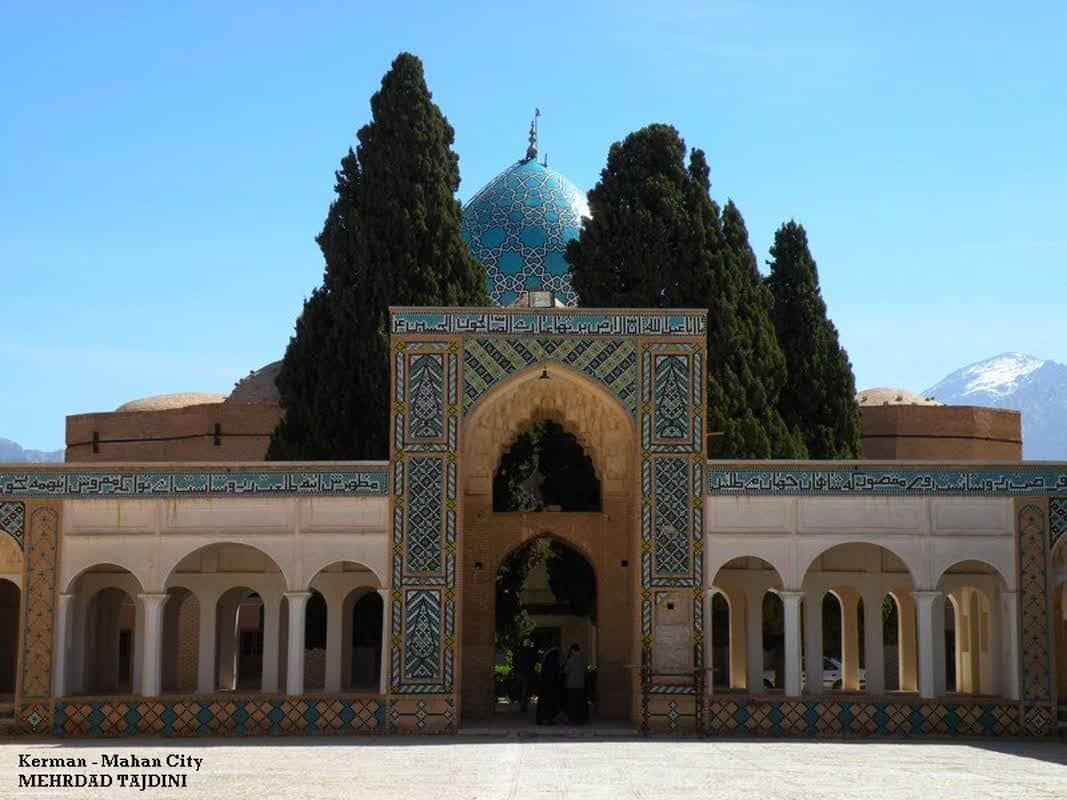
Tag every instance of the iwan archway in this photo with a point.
(607, 539)
(629, 386)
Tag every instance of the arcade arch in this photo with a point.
(750, 655)
(103, 641)
(10, 608)
(1059, 616)
(860, 625)
(973, 616)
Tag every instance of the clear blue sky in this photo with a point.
(163, 170)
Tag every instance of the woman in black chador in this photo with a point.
(548, 690)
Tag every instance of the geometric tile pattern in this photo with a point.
(672, 397)
(13, 521)
(219, 716)
(38, 619)
(414, 714)
(573, 322)
(611, 362)
(518, 227)
(427, 392)
(671, 424)
(672, 494)
(424, 545)
(815, 718)
(1037, 480)
(422, 635)
(425, 437)
(1057, 519)
(372, 480)
(1035, 624)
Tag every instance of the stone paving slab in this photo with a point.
(474, 768)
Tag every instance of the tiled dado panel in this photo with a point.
(837, 718)
(1035, 618)
(252, 716)
(671, 420)
(219, 716)
(38, 619)
(425, 440)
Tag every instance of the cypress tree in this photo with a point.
(391, 237)
(819, 396)
(656, 239)
(755, 354)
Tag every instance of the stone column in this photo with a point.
(906, 643)
(62, 669)
(294, 674)
(874, 643)
(930, 608)
(335, 624)
(738, 668)
(850, 639)
(137, 654)
(152, 643)
(271, 643)
(813, 643)
(205, 651)
(791, 608)
(754, 626)
(1009, 630)
(383, 676)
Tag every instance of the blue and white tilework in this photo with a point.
(425, 492)
(367, 479)
(518, 227)
(547, 322)
(13, 521)
(1023, 480)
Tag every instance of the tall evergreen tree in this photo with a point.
(819, 396)
(391, 237)
(656, 240)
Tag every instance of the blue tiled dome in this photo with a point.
(518, 226)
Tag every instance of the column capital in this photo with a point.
(302, 594)
(66, 597)
(792, 594)
(928, 596)
(384, 591)
(153, 596)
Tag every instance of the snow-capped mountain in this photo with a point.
(12, 453)
(1036, 387)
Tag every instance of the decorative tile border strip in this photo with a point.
(538, 322)
(1057, 519)
(878, 480)
(219, 716)
(844, 718)
(13, 521)
(368, 481)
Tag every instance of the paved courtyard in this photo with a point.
(584, 769)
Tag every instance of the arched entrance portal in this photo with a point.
(545, 598)
(606, 538)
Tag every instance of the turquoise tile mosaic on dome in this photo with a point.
(371, 480)
(518, 227)
(782, 479)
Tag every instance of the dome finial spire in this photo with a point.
(531, 151)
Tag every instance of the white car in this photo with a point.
(831, 675)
